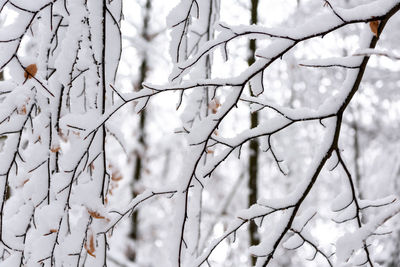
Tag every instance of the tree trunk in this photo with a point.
(139, 156)
(254, 144)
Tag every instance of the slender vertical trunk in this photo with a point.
(138, 168)
(8, 191)
(103, 99)
(254, 144)
(198, 190)
(102, 242)
(356, 146)
(356, 158)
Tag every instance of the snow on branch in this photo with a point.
(54, 117)
(51, 173)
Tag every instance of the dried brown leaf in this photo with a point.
(30, 71)
(374, 27)
(23, 110)
(95, 214)
(91, 248)
(52, 231)
(55, 149)
(116, 177)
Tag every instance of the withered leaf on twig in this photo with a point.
(374, 27)
(30, 71)
(90, 249)
(95, 214)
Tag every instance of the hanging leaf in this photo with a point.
(95, 215)
(55, 149)
(115, 173)
(214, 105)
(209, 151)
(116, 177)
(30, 71)
(52, 231)
(374, 27)
(90, 249)
(23, 110)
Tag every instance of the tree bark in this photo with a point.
(254, 143)
(139, 156)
